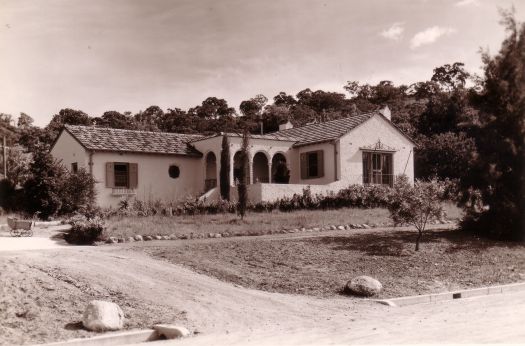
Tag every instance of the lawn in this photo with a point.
(321, 265)
(253, 223)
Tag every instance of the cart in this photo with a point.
(20, 228)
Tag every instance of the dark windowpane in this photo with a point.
(74, 167)
(121, 175)
(313, 165)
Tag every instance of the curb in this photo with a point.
(440, 297)
(122, 338)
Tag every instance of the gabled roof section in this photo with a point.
(325, 131)
(275, 136)
(108, 139)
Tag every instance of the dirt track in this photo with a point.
(156, 291)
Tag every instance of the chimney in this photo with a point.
(386, 113)
(286, 126)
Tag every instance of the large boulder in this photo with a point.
(363, 286)
(101, 316)
(170, 331)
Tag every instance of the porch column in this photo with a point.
(270, 172)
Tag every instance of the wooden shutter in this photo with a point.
(304, 166)
(110, 174)
(320, 164)
(133, 175)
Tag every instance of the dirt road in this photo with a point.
(156, 291)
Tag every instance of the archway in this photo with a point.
(211, 172)
(237, 169)
(260, 168)
(280, 171)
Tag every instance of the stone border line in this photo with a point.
(440, 297)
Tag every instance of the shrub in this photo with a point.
(417, 205)
(84, 231)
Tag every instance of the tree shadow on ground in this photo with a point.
(402, 243)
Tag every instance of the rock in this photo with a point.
(211, 235)
(366, 226)
(131, 239)
(363, 286)
(102, 315)
(333, 228)
(184, 236)
(173, 237)
(121, 240)
(112, 240)
(341, 227)
(218, 235)
(138, 237)
(295, 230)
(170, 331)
(157, 237)
(165, 237)
(148, 237)
(316, 229)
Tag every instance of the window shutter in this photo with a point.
(133, 175)
(110, 174)
(304, 166)
(320, 164)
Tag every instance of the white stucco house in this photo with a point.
(328, 156)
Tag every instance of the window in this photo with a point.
(174, 171)
(121, 175)
(377, 168)
(74, 167)
(312, 165)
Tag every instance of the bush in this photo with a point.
(417, 205)
(84, 231)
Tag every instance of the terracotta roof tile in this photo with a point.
(326, 131)
(107, 139)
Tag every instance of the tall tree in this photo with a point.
(224, 172)
(498, 168)
(242, 186)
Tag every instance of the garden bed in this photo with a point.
(321, 265)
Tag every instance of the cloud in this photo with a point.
(394, 32)
(429, 36)
(462, 3)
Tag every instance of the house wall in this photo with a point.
(368, 133)
(154, 181)
(68, 150)
(329, 164)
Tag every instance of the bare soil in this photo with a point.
(43, 303)
(321, 265)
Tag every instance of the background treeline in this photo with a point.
(467, 128)
(438, 114)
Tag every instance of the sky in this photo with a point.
(126, 55)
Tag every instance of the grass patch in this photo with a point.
(320, 266)
(253, 223)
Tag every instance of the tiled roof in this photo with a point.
(276, 136)
(325, 131)
(107, 139)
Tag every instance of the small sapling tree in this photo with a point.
(417, 205)
(242, 188)
(224, 174)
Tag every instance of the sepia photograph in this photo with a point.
(247, 172)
